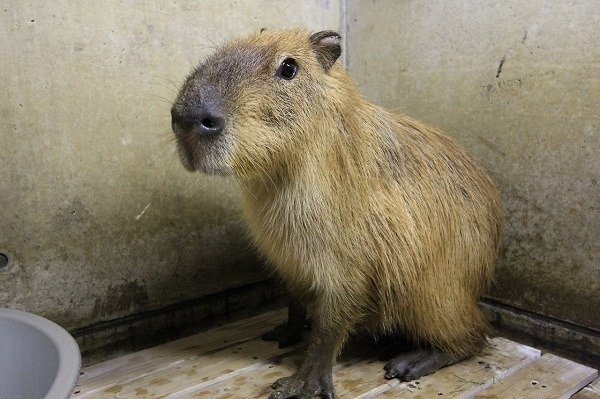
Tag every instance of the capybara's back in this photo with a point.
(435, 228)
(369, 218)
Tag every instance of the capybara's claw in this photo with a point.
(309, 388)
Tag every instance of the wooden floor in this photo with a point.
(232, 362)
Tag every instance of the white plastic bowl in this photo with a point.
(38, 358)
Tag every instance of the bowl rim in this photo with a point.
(69, 356)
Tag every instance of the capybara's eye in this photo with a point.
(288, 69)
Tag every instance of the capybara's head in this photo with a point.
(255, 102)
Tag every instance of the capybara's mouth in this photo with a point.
(186, 151)
(202, 153)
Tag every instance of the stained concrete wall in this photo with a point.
(97, 215)
(518, 83)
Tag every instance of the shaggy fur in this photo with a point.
(370, 218)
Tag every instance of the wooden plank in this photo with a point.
(197, 373)
(592, 391)
(121, 370)
(255, 383)
(360, 380)
(467, 378)
(548, 377)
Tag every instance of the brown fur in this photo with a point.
(369, 217)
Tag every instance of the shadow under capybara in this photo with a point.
(371, 219)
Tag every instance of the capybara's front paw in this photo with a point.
(303, 388)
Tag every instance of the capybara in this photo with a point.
(370, 219)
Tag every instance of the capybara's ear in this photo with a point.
(326, 45)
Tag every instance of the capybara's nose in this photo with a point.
(203, 123)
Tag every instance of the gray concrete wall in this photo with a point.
(518, 83)
(97, 215)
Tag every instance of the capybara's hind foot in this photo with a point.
(414, 365)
